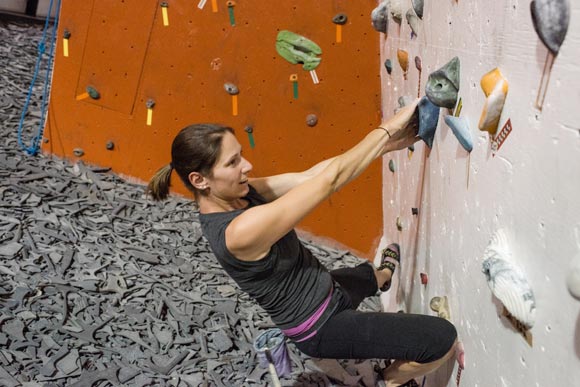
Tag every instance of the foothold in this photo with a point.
(110, 145)
(495, 88)
(418, 7)
(507, 282)
(93, 93)
(391, 165)
(298, 49)
(460, 128)
(399, 224)
(413, 21)
(403, 57)
(551, 19)
(150, 103)
(66, 34)
(573, 277)
(414, 211)
(164, 4)
(440, 305)
(231, 89)
(249, 129)
(78, 152)
(396, 10)
(380, 17)
(443, 85)
(424, 279)
(340, 18)
(411, 148)
(418, 63)
(428, 120)
(311, 120)
(389, 66)
(405, 100)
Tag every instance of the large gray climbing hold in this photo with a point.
(443, 85)
(551, 19)
(380, 17)
(418, 7)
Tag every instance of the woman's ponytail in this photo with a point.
(159, 184)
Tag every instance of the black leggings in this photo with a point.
(350, 334)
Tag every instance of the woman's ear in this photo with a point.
(198, 181)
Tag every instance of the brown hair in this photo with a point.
(196, 148)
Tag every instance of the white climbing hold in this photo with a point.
(573, 277)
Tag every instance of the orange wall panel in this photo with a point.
(125, 51)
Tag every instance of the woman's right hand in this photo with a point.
(403, 128)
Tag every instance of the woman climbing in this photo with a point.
(249, 223)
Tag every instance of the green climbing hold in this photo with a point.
(93, 93)
(298, 49)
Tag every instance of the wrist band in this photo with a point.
(385, 129)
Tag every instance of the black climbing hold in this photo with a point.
(110, 145)
(66, 34)
(340, 18)
(150, 103)
(249, 129)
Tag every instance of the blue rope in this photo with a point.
(35, 143)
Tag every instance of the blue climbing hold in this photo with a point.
(460, 128)
(428, 119)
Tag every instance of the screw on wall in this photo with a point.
(150, 104)
(250, 130)
(231, 4)
(65, 37)
(233, 90)
(339, 19)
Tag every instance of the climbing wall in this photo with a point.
(129, 74)
(523, 180)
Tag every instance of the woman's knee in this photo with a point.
(443, 341)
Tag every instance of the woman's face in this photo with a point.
(230, 173)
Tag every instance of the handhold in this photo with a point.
(573, 277)
(399, 224)
(414, 211)
(340, 18)
(443, 84)
(418, 7)
(389, 66)
(405, 100)
(440, 305)
(413, 20)
(298, 49)
(380, 17)
(78, 152)
(551, 19)
(66, 34)
(311, 120)
(424, 278)
(396, 8)
(231, 89)
(391, 165)
(428, 119)
(507, 282)
(110, 145)
(150, 103)
(460, 128)
(495, 88)
(93, 93)
(403, 57)
(418, 63)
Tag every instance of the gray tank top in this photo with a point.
(289, 283)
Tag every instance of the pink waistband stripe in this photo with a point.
(310, 321)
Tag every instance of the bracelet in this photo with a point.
(385, 129)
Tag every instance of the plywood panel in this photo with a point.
(184, 69)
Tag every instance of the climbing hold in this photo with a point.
(110, 145)
(231, 89)
(405, 100)
(440, 305)
(78, 152)
(399, 224)
(403, 57)
(66, 34)
(340, 18)
(424, 278)
(495, 88)
(418, 63)
(413, 20)
(443, 85)
(389, 66)
(573, 277)
(298, 49)
(460, 128)
(418, 7)
(311, 120)
(428, 119)
(250, 130)
(507, 282)
(380, 17)
(411, 148)
(414, 211)
(93, 93)
(294, 80)
(150, 104)
(391, 165)
(396, 8)
(551, 19)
